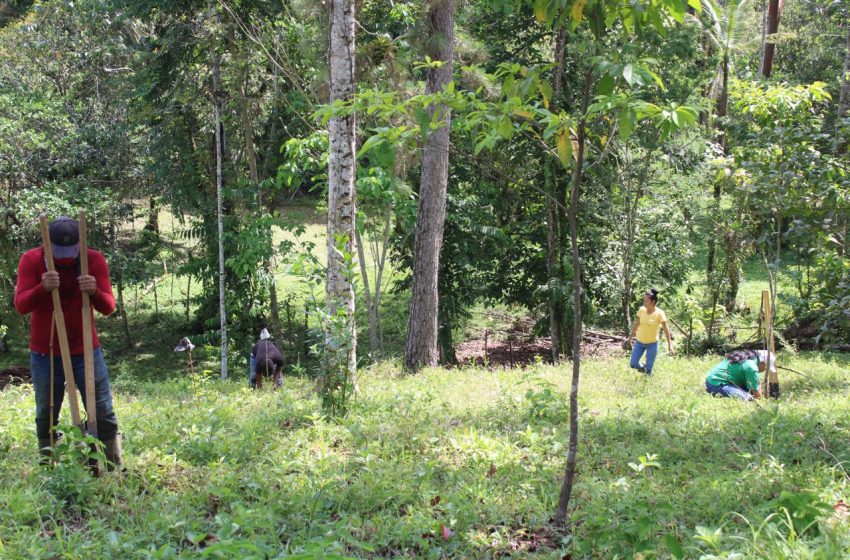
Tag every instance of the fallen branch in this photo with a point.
(795, 371)
(675, 324)
(605, 336)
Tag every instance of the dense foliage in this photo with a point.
(597, 148)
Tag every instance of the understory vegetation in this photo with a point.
(449, 463)
(448, 216)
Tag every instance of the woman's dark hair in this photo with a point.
(739, 356)
(652, 294)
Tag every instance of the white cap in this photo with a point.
(185, 345)
(763, 358)
(264, 334)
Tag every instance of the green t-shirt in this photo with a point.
(743, 374)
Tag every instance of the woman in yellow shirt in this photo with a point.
(645, 333)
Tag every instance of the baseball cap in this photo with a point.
(65, 238)
(763, 358)
(264, 334)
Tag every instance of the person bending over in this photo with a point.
(738, 374)
(266, 359)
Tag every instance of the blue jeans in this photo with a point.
(637, 352)
(728, 390)
(252, 375)
(107, 423)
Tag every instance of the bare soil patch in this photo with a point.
(15, 375)
(518, 347)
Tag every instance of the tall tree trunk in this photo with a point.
(254, 174)
(555, 221)
(567, 487)
(341, 169)
(367, 295)
(723, 101)
(122, 308)
(721, 112)
(219, 145)
(153, 217)
(188, 296)
(844, 96)
(421, 348)
(553, 257)
(627, 257)
(774, 9)
(763, 31)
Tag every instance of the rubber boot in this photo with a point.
(112, 450)
(45, 450)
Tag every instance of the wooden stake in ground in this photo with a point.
(772, 376)
(88, 344)
(62, 333)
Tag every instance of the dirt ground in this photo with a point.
(14, 375)
(518, 349)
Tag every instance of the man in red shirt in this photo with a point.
(33, 295)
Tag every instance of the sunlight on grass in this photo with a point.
(477, 452)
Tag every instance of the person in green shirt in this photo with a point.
(737, 375)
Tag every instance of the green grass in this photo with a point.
(217, 471)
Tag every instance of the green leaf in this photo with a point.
(686, 116)
(506, 128)
(657, 79)
(606, 85)
(508, 85)
(696, 5)
(370, 143)
(545, 91)
(565, 147)
(677, 10)
(629, 73)
(577, 11)
(627, 123)
(540, 10)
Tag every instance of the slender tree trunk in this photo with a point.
(254, 174)
(723, 101)
(188, 296)
(627, 260)
(721, 112)
(552, 268)
(844, 96)
(379, 279)
(155, 300)
(567, 487)
(219, 144)
(341, 170)
(153, 218)
(844, 99)
(774, 9)
(555, 220)
(763, 31)
(367, 295)
(421, 348)
(125, 322)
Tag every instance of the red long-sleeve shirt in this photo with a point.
(30, 297)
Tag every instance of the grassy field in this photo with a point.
(446, 464)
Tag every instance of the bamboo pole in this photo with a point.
(772, 377)
(88, 343)
(59, 317)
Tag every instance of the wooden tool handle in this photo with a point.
(61, 331)
(45, 238)
(88, 342)
(84, 253)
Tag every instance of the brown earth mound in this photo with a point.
(518, 350)
(15, 375)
